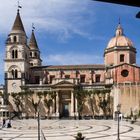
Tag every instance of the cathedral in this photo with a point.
(118, 78)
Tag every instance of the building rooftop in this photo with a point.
(69, 67)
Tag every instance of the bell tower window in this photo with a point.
(15, 39)
(14, 73)
(30, 54)
(122, 58)
(14, 54)
(35, 54)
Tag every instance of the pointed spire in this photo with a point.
(18, 25)
(33, 42)
(119, 30)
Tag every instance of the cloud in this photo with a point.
(60, 17)
(71, 59)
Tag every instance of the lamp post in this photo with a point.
(38, 119)
(118, 112)
(38, 116)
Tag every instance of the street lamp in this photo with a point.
(118, 112)
(38, 120)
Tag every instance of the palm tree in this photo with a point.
(35, 106)
(26, 98)
(90, 94)
(48, 104)
(104, 102)
(49, 101)
(18, 102)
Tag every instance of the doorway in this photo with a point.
(65, 110)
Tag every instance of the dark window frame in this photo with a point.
(98, 78)
(122, 58)
(82, 78)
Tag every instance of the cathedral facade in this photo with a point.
(119, 76)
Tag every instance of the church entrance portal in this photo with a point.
(65, 110)
(65, 102)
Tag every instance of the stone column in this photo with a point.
(40, 80)
(91, 77)
(116, 93)
(57, 104)
(44, 77)
(76, 110)
(72, 104)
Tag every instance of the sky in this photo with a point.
(69, 31)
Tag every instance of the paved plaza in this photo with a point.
(67, 130)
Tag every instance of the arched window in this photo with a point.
(14, 54)
(122, 58)
(15, 39)
(14, 73)
(35, 54)
(30, 54)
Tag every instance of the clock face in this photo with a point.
(14, 85)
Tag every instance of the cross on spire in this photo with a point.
(119, 20)
(33, 27)
(19, 6)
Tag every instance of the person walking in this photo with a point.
(3, 123)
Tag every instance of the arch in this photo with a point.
(35, 54)
(31, 54)
(14, 53)
(14, 72)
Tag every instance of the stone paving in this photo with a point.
(67, 130)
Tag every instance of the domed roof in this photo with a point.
(120, 39)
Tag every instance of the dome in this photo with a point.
(120, 39)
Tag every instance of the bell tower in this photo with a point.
(34, 56)
(120, 49)
(16, 57)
